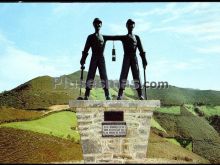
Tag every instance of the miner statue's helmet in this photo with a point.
(97, 20)
(130, 21)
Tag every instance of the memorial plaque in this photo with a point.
(114, 129)
(113, 125)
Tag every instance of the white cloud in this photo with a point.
(163, 67)
(117, 29)
(198, 20)
(4, 41)
(198, 28)
(172, 12)
(157, 11)
(141, 26)
(176, 13)
(172, 18)
(195, 22)
(203, 31)
(19, 66)
(182, 65)
(64, 9)
(172, 9)
(210, 37)
(209, 50)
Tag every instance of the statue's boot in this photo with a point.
(120, 93)
(141, 97)
(87, 93)
(107, 94)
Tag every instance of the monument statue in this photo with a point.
(97, 43)
(108, 134)
(130, 44)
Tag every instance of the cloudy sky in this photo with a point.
(182, 40)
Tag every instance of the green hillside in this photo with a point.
(187, 128)
(60, 124)
(42, 92)
(177, 96)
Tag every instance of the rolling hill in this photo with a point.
(187, 128)
(44, 91)
(188, 136)
(58, 130)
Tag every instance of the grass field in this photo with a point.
(31, 142)
(207, 110)
(187, 125)
(159, 147)
(60, 124)
(44, 91)
(155, 124)
(12, 114)
(210, 110)
(169, 110)
(174, 141)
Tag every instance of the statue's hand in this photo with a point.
(144, 61)
(83, 59)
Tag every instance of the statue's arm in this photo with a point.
(85, 50)
(142, 52)
(87, 44)
(113, 38)
(139, 45)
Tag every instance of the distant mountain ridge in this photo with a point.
(44, 91)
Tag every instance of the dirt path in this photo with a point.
(58, 107)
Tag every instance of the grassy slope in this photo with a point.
(206, 141)
(40, 93)
(155, 124)
(20, 146)
(12, 114)
(60, 124)
(211, 113)
(177, 96)
(169, 110)
(210, 110)
(159, 147)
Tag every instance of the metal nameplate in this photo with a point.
(114, 129)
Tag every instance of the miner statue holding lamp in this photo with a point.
(130, 43)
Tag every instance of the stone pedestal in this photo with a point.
(131, 148)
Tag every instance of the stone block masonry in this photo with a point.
(131, 148)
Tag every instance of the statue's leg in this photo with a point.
(90, 77)
(136, 77)
(123, 76)
(104, 77)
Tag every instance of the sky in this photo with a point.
(181, 40)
